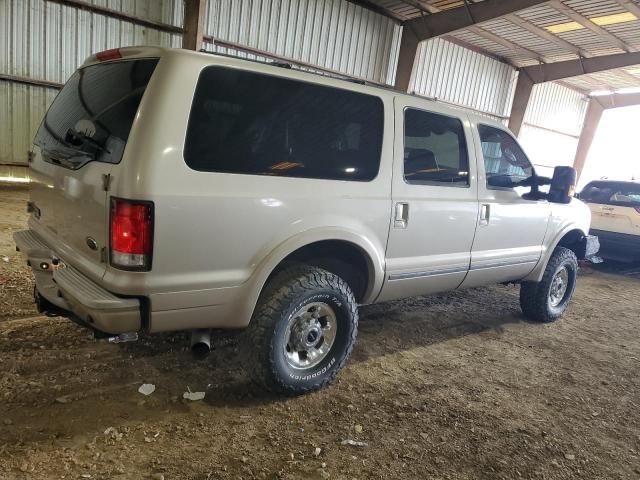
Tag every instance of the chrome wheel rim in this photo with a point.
(310, 335)
(559, 286)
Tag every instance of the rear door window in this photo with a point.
(622, 194)
(91, 117)
(250, 123)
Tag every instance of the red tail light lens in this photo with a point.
(112, 54)
(131, 234)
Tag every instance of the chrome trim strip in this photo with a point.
(502, 264)
(448, 271)
(432, 273)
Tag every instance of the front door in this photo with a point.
(434, 201)
(511, 228)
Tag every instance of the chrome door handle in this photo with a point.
(402, 215)
(485, 213)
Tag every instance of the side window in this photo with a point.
(611, 193)
(505, 163)
(251, 123)
(435, 150)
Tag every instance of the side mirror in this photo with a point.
(563, 185)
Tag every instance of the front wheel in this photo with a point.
(547, 300)
(303, 330)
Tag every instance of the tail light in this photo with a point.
(106, 55)
(131, 238)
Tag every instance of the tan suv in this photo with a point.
(175, 190)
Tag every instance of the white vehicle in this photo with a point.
(615, 209)
(176, 190)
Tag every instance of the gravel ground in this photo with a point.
(454, 386)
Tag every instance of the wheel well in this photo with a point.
(344, 259)
(573, 241)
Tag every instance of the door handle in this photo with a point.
(402, 215)
(485, 213)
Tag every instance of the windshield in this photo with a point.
(91, 117)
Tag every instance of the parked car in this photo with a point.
(175, 190)
(615, 209)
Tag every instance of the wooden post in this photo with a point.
(524, 87)
(194, 12)
(406, 59)
(591, 121)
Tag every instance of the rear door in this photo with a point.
(434, 201)
(511, 227)
(82, 135)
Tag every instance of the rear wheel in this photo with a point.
(547, 300)
(303, 330)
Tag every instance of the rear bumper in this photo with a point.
(618, 245)
(71, 291)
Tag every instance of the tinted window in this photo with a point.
(612, 193)
(91, 117)
(244, 122)
(504, 161)
(435, 150)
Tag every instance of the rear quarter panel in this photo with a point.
(216, 231)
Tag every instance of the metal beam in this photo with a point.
(585, 22)
(377, 9)
(194, 12)
(30, 81)
(422, 6)
(458, 18)
(619, 100)
(442, 22)
(582, 66)
(108, 12)
(630, 6)
(542, 33)
(589, 127)
(524, 87)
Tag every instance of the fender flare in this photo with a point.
(537, 273)
(373, 254)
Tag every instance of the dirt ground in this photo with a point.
(454, 386)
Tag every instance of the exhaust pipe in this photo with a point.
(200, 343)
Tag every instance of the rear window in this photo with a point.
(250, 123)
(612, 193)
(91, 117)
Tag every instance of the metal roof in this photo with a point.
(550, 32)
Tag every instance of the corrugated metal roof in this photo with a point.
(586, 41)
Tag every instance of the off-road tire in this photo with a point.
(534, 296)
(285, 294)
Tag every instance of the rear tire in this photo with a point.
(547, 300)
(303, 330)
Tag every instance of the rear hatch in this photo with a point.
(82, 136)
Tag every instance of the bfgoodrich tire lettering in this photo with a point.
(547, 300)
(297, 300)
